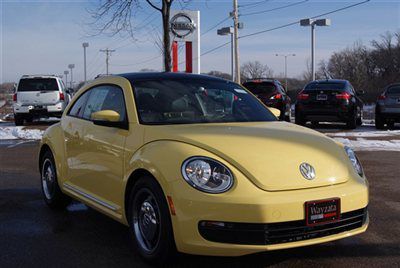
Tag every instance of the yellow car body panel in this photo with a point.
(94, 164)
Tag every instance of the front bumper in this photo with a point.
(260, 208)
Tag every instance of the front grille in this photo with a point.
(276, 233)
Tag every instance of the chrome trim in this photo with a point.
(88, 196)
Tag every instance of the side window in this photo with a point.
(105, 98)
(77, 108)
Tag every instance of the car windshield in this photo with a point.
(325, 86)
(38, 84)
(188, 101)
(394, 89)
(260, 87)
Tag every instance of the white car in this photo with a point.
(39, 96)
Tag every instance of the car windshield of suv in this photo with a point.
(394, 89)
(37, 84)
(187, 101)
(260, 87)
(325, 86)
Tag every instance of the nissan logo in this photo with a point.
(307, 171)
(182, 25)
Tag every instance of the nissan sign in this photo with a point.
(182, 25)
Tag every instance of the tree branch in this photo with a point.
(153, 6)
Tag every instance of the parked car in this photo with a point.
(272, 93)
(387, 109)
(190, 171)
(330, 100)
(39, 96)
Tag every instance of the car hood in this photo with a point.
(267, 153)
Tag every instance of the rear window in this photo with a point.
(260, 88)
(394, 89)
(326, 86)
(37, 84)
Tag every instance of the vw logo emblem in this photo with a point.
(182, 25)
(307, 171)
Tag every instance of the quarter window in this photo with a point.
(77, 108)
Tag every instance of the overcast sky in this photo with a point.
(43, 37)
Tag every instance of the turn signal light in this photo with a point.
(303, 96)
(15, 97)
(343, 96)
(62, 96)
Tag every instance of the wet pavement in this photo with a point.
(32, 235)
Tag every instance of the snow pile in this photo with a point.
(12, 133)
(361, 144)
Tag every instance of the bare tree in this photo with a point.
(115, 16)
(255, 69)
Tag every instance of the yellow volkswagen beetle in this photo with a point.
(199, 165)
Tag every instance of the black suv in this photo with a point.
(272, 93)
(387, 109)
(329, 100)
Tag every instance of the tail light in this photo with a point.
(62, 97)
(382, 96)
(343, 96)
(276, 97)
(303, 96)
(15, 97)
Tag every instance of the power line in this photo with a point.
(253, 4)
(139, 62)
(215, 26)
(108, 54)
(273, 9)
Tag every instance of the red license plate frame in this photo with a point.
(322, 211)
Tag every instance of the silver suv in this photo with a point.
(39, 96)
(387, 111)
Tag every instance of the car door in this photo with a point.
(103, 148)
(72, 127)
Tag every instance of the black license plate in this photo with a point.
(322, 97)
(38, 107)
(322, 211)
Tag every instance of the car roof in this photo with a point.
(329, 81)
(29, 76)
(260, 80)
(167, 75)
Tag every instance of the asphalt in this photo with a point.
(32, 235)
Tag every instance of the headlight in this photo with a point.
(207, 175)
(354, 160)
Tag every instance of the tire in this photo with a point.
(18, 120)
(379, 122)
(151, 231)
(52, 194)
(299, 120)
(359, 118)
(315, 124)
(390, 125)
(351, 123)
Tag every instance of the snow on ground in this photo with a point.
(365, 132)
(13, 132)
(361, 144)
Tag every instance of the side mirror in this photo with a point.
(108, 118)
(275, 111)
(360, 92)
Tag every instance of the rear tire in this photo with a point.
(150, 222)
(390, 125)
(52, 194)
(379, 122)
(299, 119)
(18, 120)
(351, 123)
(359, 118)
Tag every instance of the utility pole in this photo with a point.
(286, 56)
(84, 45)
(108, 54)
(71, 66)
(235, 36)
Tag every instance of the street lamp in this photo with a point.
(286, 56)
(84, 45)
(71, 66)
(313, 23)
(227, 31)
(66, 77)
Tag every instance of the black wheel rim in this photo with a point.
(146, 220)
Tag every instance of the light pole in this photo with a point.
(286, 56)
(84, 45)
(313, 23)
(71, 66)
(66, 77)
(226, 31)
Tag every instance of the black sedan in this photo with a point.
(331, 100)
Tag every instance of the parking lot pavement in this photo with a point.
(33, 235)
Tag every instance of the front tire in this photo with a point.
(18, 120)
(150, 223)
(52, 194)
